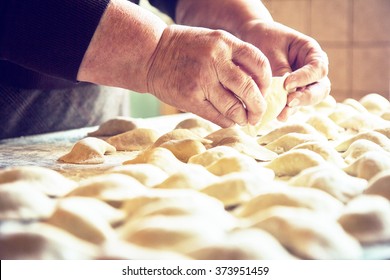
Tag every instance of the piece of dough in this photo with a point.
(290, 140)
(325, 126)
(134, 140)
(160, 157)
(212, 155)
(363, 122)
(373, 136)
(300, 197)
(200, 127)
(44, 179)
(89, 150)
(184, 149)
(235, 188)
(355, 104)
(326, 105)
(331, 180)
(87, 218)
(41, 241)
(324, 150)
(375, 103)
(342, 112)
(193, 177)
(147, 174)
(244, 244)
(231, 164)
(294, 161)
(385, 131)
(20, 201)
(368, 165)
(285, 129)
(367, 218)
(110, 188)
(380, 184)
(307, 234)
(276, 99)
(359, 148)
(114, 126)
(179, 134)
(176, 233)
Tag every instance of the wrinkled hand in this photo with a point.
(291, 51)
(210, 73)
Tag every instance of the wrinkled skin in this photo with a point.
(210, 73)
(291, 51)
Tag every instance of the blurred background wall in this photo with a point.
(354, 33)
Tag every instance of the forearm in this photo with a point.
(229, 15)
(121, 48)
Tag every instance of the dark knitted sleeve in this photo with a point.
(48, 36)
(165, 6)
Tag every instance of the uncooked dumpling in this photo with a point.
(301, 197)
(368, 165)
(198, 126)
(114, 126)
(184, 149)
(243, 244)
(324, 150)
(193, 176)
(146, 173)
(89, 150)
(134, 140)
(294, 161)
(308, 234)
(160, 157)
(46, 180)
(212, 155)
(41, 241)
(176, 233)
(380, 184)
(285, 129)
(355, 104)
(331, 180)
(179, 134)
(290, 140)
(385, 131)
(235, 188)
(20, 201)
(111, 188)
(276, 99)
(360, 147)
(375, 103)
(367, 218)
(325, 126)
(364, 121)
(373, 136)
(231, 164)
(326, 105)
(87, 218)
(342, 112)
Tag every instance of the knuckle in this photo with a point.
(234, 110)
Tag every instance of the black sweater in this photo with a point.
(42, 42)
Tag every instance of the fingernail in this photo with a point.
(290, 87)
(294, 103)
